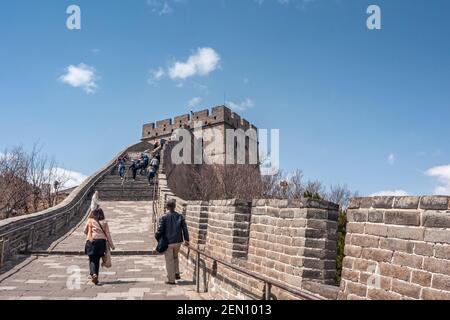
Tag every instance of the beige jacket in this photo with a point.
(93, 231)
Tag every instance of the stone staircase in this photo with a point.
(113, 188)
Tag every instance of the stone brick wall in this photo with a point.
(397, 248)
(291, 242)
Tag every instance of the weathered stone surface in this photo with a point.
(378, 255)
(436, 219)
(376, 229)
(432, 294)
(441, 282)
(437, 265)
(376, 216)
(356, 289)
(397, 245)
(357, 215)
(406, 202)
(421, 278)
(353, 251)
(354, 227)
(405, 218)
(408, 260)
(424, 249)
(406, 232)
(395, 271)
(383, 202)
(434, 203)
(351, 275)
(326, 291)
(442, 251)
(379, 294)
(406, 289)
(365, 241)
(437, 236)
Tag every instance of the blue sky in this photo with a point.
(369, 109)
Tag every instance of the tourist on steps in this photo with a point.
(98, 241)
(134, 169)
(121, 167)
(154, 165)
(172, 228)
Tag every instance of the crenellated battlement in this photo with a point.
(220, 115)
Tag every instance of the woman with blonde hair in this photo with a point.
(98, 243)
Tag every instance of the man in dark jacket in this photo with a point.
(173, 227)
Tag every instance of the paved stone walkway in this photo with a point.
(131, 277)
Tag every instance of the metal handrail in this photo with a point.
(64, 210)
(268, 283)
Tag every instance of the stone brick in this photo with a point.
(354, 203)
(441, 282)
(379, 294)
(397, 245)
(360, 215)
(373, 280)
(421, 278)
(379, 255)
(348, 262)
(365, 241)
(437, 266)
(353, 251)
(434, 203)
(431, 294)
(436, 219)
(375, 216)
(406, 232)
(442, 251)
(407, 260)
(356, 289)
(406, 289)
(404, 218)
(407, 202)
(383, 202)
(423, 249)
(355, 227)
(394, 271)
(437, 236)
(350, 275)
(376, 229)
(364, 265)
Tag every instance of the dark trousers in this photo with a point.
(94, 264)
(134, 173)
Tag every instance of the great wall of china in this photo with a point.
(395, 247)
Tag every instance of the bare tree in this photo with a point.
(26, 180)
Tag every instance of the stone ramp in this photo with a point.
(63, 277)
(130, 223)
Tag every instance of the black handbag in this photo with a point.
(163, 245)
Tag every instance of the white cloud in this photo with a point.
(202, 63)
(397, 193)
(442, 173)
(164, 7)
(391, 159)
(81, 76)
(241, 106)
(194, 102)
(158, 74)
(69, 178)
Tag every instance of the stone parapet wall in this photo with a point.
(397, 248)
(25, 232)
(293, 242)
(219, 115)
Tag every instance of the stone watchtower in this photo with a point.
(214, 127)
